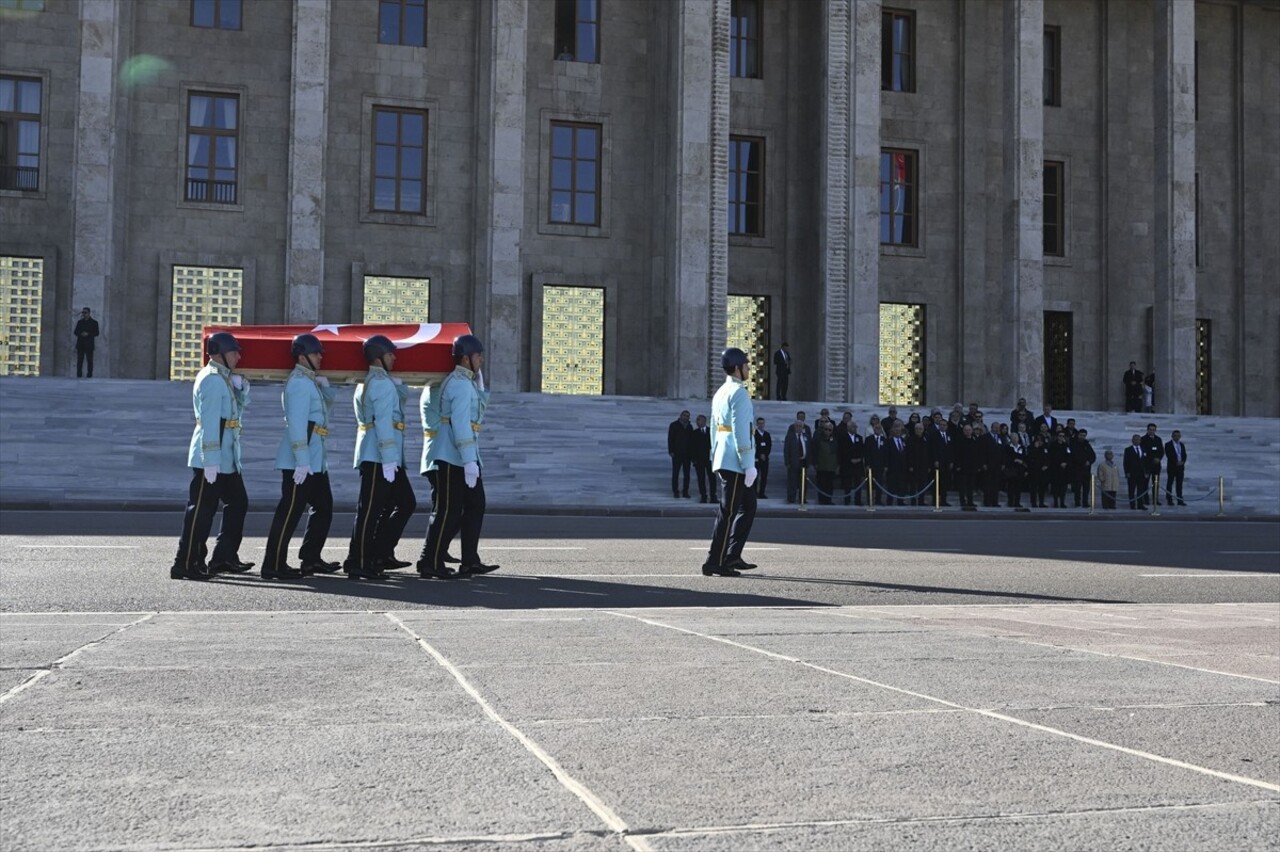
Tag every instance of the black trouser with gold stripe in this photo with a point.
(733, 519)
(202, 505)
(382, 511)
(454, 508)
(294, 500)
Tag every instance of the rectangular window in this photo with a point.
(1052, 66)
(902, 348)
(575, 173)
(202, 296)
(402, 22)
(399, 160)
(746, 186)
(578, 30)
(216, 14)
(389, 300)
(213, 140)
(898, 217)
(744, 39)
(898, 51)
(1199, 259)
(572, 340)
(1204, 369)
(21, 298)
(1054, 209)
(20, 120)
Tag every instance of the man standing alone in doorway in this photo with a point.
(782, 369)
(86, 332)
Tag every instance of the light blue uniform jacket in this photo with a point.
(732, 418)
(462, 406)
(305, 402)
(379, 405)
(218, 409)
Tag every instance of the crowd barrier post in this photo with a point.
(1155, 496)
(1221, 510)
(937, 495)
(804, 480)
(871, 491)
(1093, 481)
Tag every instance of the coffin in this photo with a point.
(424, 351)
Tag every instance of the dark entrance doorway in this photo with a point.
(1057, 359)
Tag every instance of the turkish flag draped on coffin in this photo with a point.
(424, 351)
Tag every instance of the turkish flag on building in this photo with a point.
(424, 351)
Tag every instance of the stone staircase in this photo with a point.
(105, 443)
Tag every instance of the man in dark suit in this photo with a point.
(764, 446)
(873, 450)
(896, 464)
(1135, 471)
(851, 461)
(782, 369)
(1153, 456)
(1175, 452)
(1046, 419)
(941, 459)
(701, 450)
(86, 332)
(795, 455)
(1133, 388)
(679, 446)
(992, 458)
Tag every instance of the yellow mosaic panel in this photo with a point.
(202, 295)
(21, 292)
(748, 329)
(573, 340)
(901, 354)
(395, 300)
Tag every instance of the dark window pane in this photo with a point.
(561, 142)
(753, 157)
(587, 10)
(415, 29)
(199, 114)
(411, 129)
(225, 151)
(566, 22)
(229, 15)
(389, 23)
(753, 219)
(901, 35)
(585, 208)
(29, 96)
(197, 149)
(885, 157)
(384, 194)
(385, 125)
(586, 143)
(586, 177)
(411, 196)
(586, 43)
(411, 163)
(884, 228)
(1050, 181)
(202, 13)
(561, 174)
(28, 139)
(560, 202)
(7, 88)
(384, 161)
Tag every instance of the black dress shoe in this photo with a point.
(320, 567)
(450, 560)
(441, 573)
(199, 571)
(476, 568)
(710, 568)
(231, 566)
(390, 563)
(364, 572)
(737, 563)
(284, 572)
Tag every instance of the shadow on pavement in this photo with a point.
(944, 590)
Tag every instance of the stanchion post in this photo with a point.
(871, 491)
(1093, 481)
(804, 479)
(1155, 496)
(937, 498)
(1221, 499)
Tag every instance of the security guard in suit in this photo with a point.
(303, 466)
(452, 414)
(386, 498)
(218, 398)
(733, 460)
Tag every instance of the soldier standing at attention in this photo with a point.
(451, 416)
(219, 398)
(386, 498)
(304, 469)
(733, 453)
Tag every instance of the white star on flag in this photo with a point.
(332, 329)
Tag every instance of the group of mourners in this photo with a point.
(452, 412)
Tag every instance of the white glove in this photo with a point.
(300, 474)
(389, 472)
(322, 381)
(749, 479)
(237, 381)
(471, 473)
(480, 380)
(210, 473)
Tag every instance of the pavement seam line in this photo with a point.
(961, 818)
(376, 844)
(63, 660)
(973, 631)
(597, 806)
(990, 714)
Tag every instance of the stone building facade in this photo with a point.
(932, 201)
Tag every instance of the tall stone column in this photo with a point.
(308, 112)
(98, 230)
(1023, 273)
(699, 278)
(498, 304)
(1174, 331)
(850, 241)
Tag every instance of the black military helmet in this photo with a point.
(732, 358)
(307, 344)
(377, 346)
(466, 344)
(220, 343)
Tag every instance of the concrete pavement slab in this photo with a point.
(35, 641)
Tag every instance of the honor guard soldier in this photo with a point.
(219, 398)
(386, 497)
(303, 466)
(451, 416)
(733, 460)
